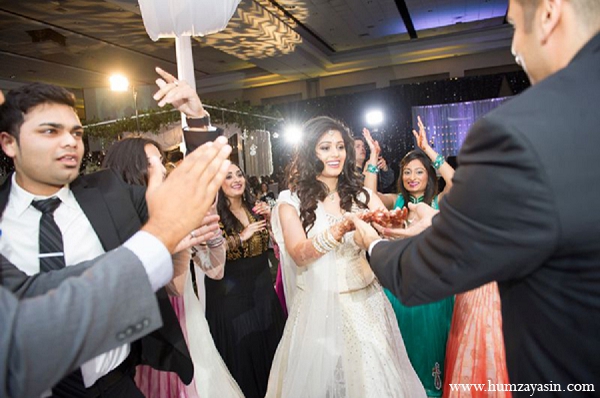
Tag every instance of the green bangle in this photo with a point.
(371, 168)
(438, 162)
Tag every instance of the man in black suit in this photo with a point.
(37, 349)
(521, 210)
(41, 132)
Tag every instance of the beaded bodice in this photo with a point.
(255, 246)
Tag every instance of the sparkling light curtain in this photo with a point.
(447, 125)
(258, 156)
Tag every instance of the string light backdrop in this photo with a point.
(447, 124)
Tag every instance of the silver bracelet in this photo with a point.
(215, 242)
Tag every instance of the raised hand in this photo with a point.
(421, 136)
(179, 94)
(373, 145)
(252, 228)
(262, 209)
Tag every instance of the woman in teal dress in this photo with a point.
(424, 328)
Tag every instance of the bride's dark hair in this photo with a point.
(306, 166)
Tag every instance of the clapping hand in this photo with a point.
(381, 163)
(373, 145)
(196, 182)
(263, 209)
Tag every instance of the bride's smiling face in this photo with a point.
(331, 150)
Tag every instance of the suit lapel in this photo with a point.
(114, 218)
(97, 212)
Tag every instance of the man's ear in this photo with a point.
(550, 16)
(9, 144)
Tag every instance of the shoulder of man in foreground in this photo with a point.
(37, 347)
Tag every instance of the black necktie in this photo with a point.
(52, 257)
(51, 242)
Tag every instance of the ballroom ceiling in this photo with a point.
(79, 43)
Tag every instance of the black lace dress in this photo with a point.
(244, 314)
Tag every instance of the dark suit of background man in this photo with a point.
(523, 207)
(113, 302)
(41, 132)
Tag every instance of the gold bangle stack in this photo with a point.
(325, 242)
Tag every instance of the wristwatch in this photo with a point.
(198, 122)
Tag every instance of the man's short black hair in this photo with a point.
(20, 101)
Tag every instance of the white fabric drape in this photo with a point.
(258, 156)
(177, 18)
(313, 364)
(211, 376)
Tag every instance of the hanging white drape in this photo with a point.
(258, 155)
(177, 18)
(182, 19)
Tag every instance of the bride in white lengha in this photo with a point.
(341, 339)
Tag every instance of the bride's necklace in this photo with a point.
(331, 195)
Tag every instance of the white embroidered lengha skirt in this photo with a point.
(374, 360)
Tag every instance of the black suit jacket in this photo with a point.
(523, 212)
(116, 211)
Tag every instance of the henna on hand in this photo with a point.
(392, 219)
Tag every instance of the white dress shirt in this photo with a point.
(20, 244)
(372, 245)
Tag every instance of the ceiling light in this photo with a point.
(119, 83)
(293, 134)
(374, 117)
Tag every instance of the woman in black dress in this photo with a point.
(242, 309)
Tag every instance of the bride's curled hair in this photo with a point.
(306, 166)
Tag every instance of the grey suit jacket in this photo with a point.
(523, 212)
(24, 286)
(43, 338)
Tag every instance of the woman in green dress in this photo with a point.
(424, 328)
